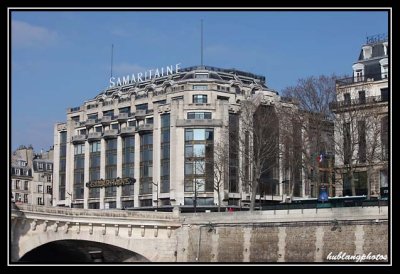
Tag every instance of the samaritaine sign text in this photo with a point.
(142, 77)
(111, 182)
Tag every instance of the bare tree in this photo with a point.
(258, 143)
(358, 142)
(308, 129)
(216, 168)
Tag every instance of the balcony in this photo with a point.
(128, 131)
(111, 133)
(361, 79)
(358, 102)
(146, 127)
(81, 138)
(198, 122)
(90, 122)
(94, 136)
(140, 113)
(106, 120)
(123, 117)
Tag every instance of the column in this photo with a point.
(119, 170)
(86, 176)
(102, 171)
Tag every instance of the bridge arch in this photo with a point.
(80, 251)
(141, 250)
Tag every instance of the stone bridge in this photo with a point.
(56, 234)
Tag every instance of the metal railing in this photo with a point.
(358, 101)
(361, 79)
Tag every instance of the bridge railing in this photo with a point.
(66, 211)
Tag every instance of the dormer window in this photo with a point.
(384, 68)
(201, 75)
(358, 72)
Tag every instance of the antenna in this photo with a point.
(201, 41)
(112, 55)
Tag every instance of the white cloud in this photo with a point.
(27, 35)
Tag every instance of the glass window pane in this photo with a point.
(188, 151)
(188, 134)
(198, 150)
(198, 134)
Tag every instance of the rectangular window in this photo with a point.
(347, 99)
(142, 107)
(40, 166)
(25, 198)
(17, 184)
(199, 115)
(146, 163)
(198, 159)
(92, 116)
(200, 87)
(111, 191)
(79, 149)
(48, 190)
(128, 190)
(125, 110)
(200, 99)
(128, 157)
(49, 178)
(40, 201)
(98, 129)
(201, 75)
(384, 94)
(115, 126)
(108, 113)
(26, 185)
(95, 146)
(40, 189)
(165, 153)
(361, 97)
(94, 192)
(233, 152)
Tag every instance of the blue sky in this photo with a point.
(60, 59)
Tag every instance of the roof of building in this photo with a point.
(237, 77)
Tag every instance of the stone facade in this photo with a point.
(292, 236)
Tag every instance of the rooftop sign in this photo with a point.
(144, 76)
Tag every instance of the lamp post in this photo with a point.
(156, 184)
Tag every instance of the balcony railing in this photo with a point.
(358, 102)
(361, 79)
(111, 133)
(90, 122)
(123, 117)
(140, 113)
(146, 127)
(81, 138)
(128, 131)
(106, 120)
(94, 136)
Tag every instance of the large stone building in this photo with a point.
(158, 131)
(32, 176)
(361, 125)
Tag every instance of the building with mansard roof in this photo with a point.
(143, 141)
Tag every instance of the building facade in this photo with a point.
(362, 123)
(146, 143)
(32, 176)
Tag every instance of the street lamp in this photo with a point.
(156, 184)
